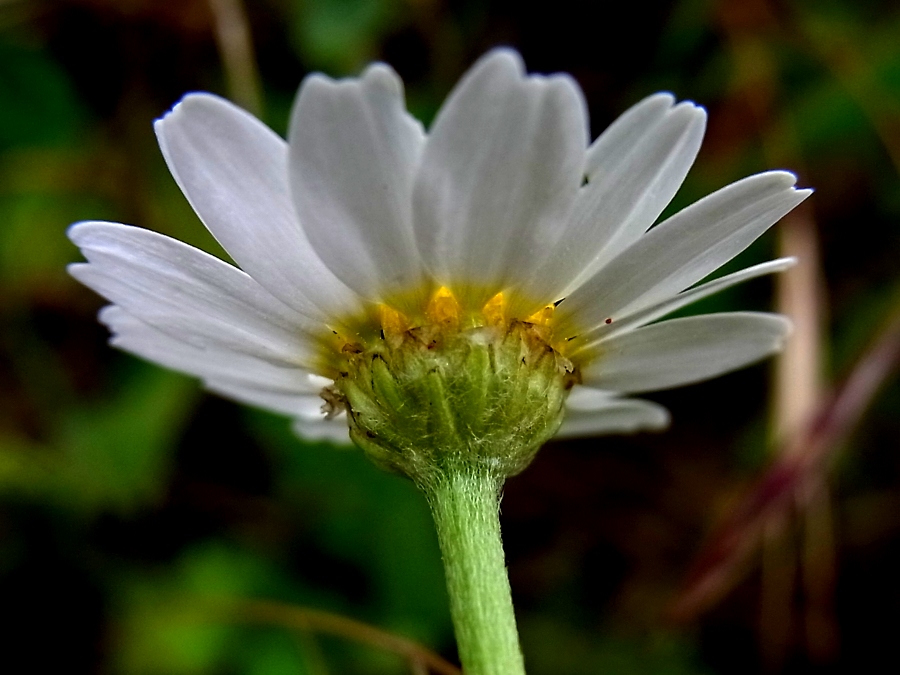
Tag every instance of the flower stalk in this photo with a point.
(465, 503)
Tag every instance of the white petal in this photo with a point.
(682, 351)
(187, 293)
(605, 331)
(627, 130)
(633, 173)
(353, 155)
(498, 175)
(293, 405)
(586, 399)
(592, 412)
(287, 391)
(133, 335)
(234, 172)
(682, 250)
(323, 428)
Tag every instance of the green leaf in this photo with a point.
(39, 104)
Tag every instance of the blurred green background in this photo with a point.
(136, 510)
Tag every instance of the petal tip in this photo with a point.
(785, 263)
(186, 105)
(74, 269)
(381, 73)
(333, 431)
(660, 97)
(78, 232)
(661, 422)
(786, 178)
(75, 231)
(501, 58)
(693, 115)
(786, 330)
(109, 314)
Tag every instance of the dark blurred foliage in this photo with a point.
(131, 503)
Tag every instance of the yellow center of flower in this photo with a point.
(442, 313)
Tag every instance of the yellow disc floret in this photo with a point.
(443, 309)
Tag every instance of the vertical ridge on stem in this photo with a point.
(465, 503)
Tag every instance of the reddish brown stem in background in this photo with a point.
(719, 563)
(420, 659)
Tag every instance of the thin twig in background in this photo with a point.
(842, 56)
(720, 563)
(799, 390)
(235, 44)
(778, 570)
(314, 660)
(798, 386)
(797, 487)
(799, 295)
(317, 621)
(819, 565)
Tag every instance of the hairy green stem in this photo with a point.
(465, 503)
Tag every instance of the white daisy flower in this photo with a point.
(365, 245)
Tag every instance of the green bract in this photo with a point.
(429, 400)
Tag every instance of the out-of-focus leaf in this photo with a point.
(183, 620)
(110, 455)
(119, 452)
(270, 652)
(686, 29)
(829, 120)
(377, 521)
(166, 628)
(39, 104)
(34, 250)
(340, 36)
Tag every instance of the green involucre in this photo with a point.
(432, 400)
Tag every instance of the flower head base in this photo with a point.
(444, 289)
(464, 390)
